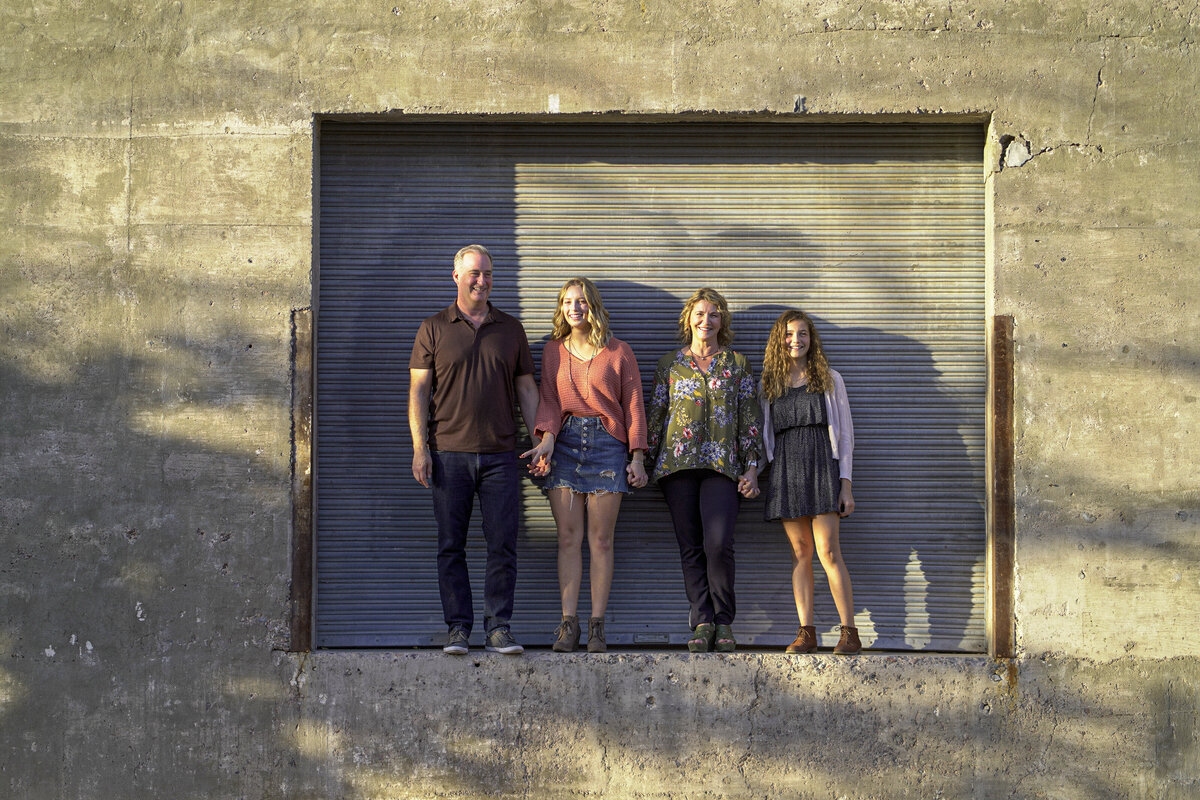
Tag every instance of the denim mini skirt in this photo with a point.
(587, 459)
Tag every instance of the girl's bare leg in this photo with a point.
(601, 522)
(568, 509)
(825, 529)
(800, 535)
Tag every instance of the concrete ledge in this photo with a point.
(667, 724)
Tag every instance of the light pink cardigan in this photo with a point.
(841, 428)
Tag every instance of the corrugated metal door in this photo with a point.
(875, 230)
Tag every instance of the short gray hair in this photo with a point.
(471, 248)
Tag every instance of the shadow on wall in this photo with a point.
(146, 510)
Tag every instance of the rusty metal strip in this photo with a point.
(302, 488)
(1002, 533)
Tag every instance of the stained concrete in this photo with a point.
(155, 234)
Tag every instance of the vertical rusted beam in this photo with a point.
(302, 487)
(1002, 528)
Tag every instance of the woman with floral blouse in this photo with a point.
(704, 426)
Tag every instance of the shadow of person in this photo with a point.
(915, 545)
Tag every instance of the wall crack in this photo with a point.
(1096, 91)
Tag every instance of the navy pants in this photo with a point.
(704, 507)
(457, 479)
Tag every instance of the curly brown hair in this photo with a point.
(713, 297)
(777, 364)
(597, 315)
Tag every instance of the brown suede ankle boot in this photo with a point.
(596, 642)
(566, 636)
(848, 644)
(806, 640)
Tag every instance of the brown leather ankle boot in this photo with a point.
(806, 640)
(848, 644)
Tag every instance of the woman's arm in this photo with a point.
(749, 417)
(656, 410)
(749, 430)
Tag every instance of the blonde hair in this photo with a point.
(597, 315)
(713, 297)
(777, 363)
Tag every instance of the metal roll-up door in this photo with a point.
(876, 230)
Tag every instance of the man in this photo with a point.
(469, 362)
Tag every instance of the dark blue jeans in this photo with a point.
(457, 479)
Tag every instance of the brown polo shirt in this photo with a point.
(474, 369)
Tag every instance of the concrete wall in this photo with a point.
(155, 223)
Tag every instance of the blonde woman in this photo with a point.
(810, 441)
(705, 437)
(592, 424)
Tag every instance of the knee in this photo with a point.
(570, 537)
(830, 557)
(720, 547)
(600, 542)
(802, 553)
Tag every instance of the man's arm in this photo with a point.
(528, 398)
(418, 423)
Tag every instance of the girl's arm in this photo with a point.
(634, 407)
(549, 413)
(845, 427)
(768, 432)
(633, 404)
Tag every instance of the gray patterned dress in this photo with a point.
(803, 481)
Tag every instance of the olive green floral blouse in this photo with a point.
(703, 420)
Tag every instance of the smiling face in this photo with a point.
(575, 309)
(705, 322)
(798, 338)
(474, 281)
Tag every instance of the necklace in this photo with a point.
(578, 353)
(704, 362)
(587, 377)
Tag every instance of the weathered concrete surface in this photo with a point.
(753, 725)
(384, 725)
(155, 234)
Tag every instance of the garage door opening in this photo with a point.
(876, 230)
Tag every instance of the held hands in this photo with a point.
(635, 470)
(540, 456)
(748, 483)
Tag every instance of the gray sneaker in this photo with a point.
(500, 640)
(457, 642)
